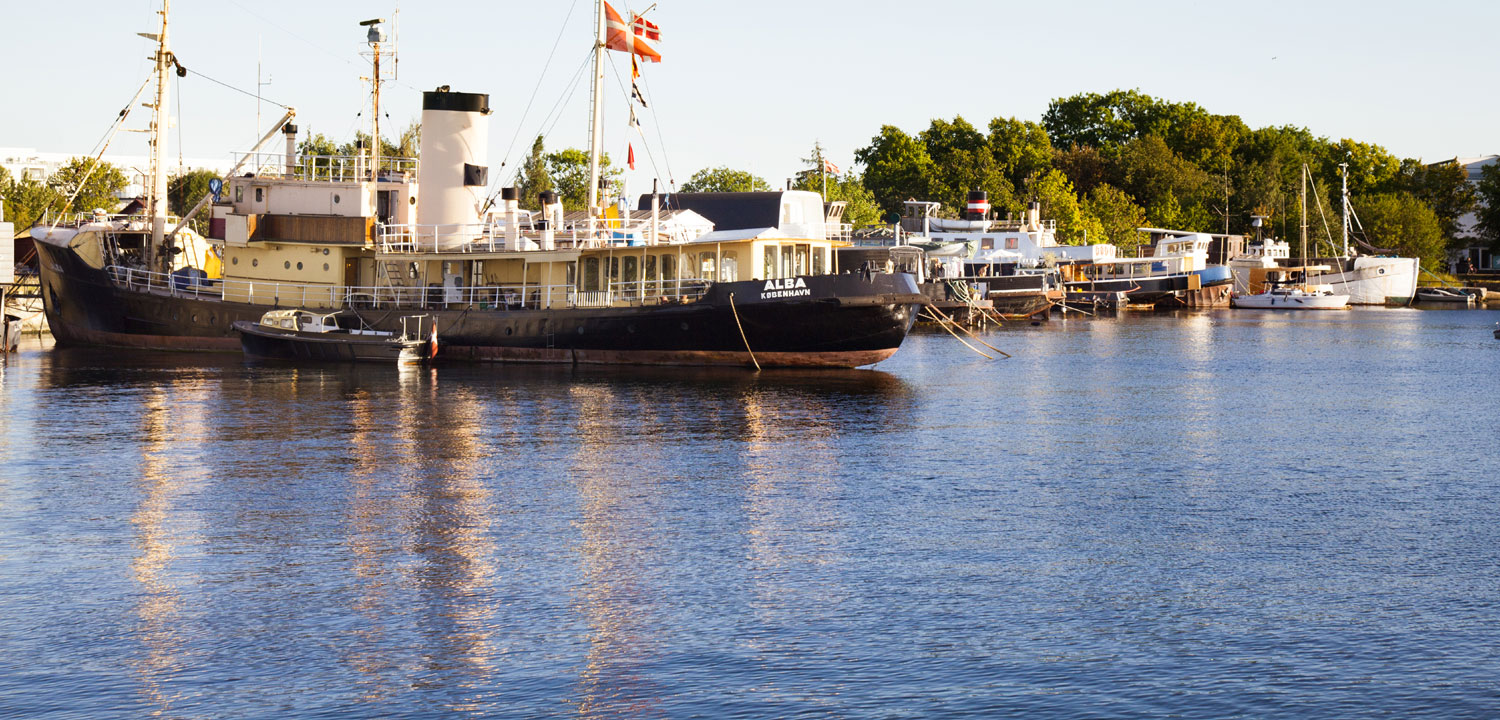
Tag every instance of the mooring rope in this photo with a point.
(742, 332)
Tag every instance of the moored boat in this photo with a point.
(1288, 289)
(1445, 296)
(305, 335)
(323, 234)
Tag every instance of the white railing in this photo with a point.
(509, 297)
(136, 221)
(491, 236)
(326, 168)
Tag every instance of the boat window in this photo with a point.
(770, 262)
(706, 265)
(668, 267)
(819, 261)
(1010, 243)
(239, 193)
(651, 274)
(801, 260)
(260, 195)
(591, 274)
(987, 243)
(729, 267)
(632, 266)
(786, 262)
(614, 270)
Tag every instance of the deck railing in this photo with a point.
(523, 296)
(326, 168)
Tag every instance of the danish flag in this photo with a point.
(639, 38)
(829, 167)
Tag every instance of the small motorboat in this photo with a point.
(1444, 295)
(306, 335)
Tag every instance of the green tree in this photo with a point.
(1020, 148)
(533, 179)
(1118, 215)
(1174, 191)
(1084, 166)
(410, 143)
(897, 168)
(1445, 187)
(184, 191)
(963, 161)
(569, 169)
(99, 187)
(26, 201)
(1074, 225)
(1403, 222)
(724, 179)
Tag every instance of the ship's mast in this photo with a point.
(156, 195)
(596, 116)
(1302, 201)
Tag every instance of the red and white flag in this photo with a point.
(639, 37)
(829, 167)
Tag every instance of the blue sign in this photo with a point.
(215, 186)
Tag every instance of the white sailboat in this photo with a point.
(1275, 287)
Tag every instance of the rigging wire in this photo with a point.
(505, 160)
(549, 122)
(246, 93)
(645, 145)
(656, 122)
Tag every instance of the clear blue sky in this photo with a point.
(753, 85)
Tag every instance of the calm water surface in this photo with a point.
(1224, 514)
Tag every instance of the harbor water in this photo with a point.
(1215, 514)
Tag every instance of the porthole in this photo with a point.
(580, 329)
(325, 251)
(412, 201)
(195, 318)
(287, 265)
(510, 331)
(630, 328)
(299, 266)
(234, 261)
(255, 262)
(325, 267)
(684, 326)
(1382, 271)
(335, 198)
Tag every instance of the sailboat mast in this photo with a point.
(156, 196)
(1302, 201)
(596, 117)
(1345, 167)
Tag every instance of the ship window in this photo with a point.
(706, 265)
(299, 266)
(234, 261)
(786, 262)
(819, 261)
(1010, 243)
(614, 271)
(632, 266)
(729, 267)
(260, 195)
(591, 274)
(987, 243)
(801, 260)
(770, 262)
(651, 285)
(254, 262)
(287, 265)
(668, 267)
(325, 267)
(239, 194)
(335, 198)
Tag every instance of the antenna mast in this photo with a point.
(375, 37)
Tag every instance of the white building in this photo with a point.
(28, 164)
(1479, 254)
